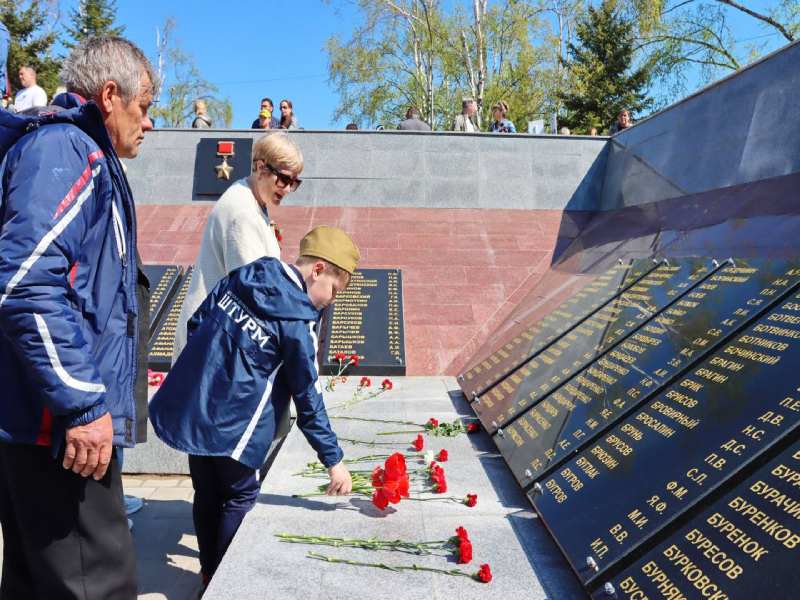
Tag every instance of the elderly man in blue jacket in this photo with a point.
(69, 316)
(252, 346)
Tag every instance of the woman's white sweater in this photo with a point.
(237, 232)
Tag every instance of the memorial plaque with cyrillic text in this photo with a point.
(672, 452)
(625, 377)
(608, 325)
(164, 280)
(541, 334)
(744, 546)
(367, 321)
(160, 354)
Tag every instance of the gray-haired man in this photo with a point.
(71, 310)
(464, 121)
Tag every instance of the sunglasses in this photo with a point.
(283, 180)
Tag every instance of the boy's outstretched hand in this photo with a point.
(341, 484)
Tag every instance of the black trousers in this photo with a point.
(225, 490)
(64, 536)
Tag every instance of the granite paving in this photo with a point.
(506, 534)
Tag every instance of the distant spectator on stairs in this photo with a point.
(288, 120)
(465, 121)
(623, 122)
(501, 124)
(413, 122)
(201, 118)
(274, 123)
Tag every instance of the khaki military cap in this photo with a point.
(333, 245)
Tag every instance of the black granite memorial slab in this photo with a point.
(366, 320)
(624, 378)
(673, 452)
(573, 351)
(744, 546)
(521, 348)
(160, 354)
(164, 281)
(219, 163)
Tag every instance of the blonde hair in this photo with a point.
(279, 151)
(330, 269)
(200, 107)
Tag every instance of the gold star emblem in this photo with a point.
(224, 170)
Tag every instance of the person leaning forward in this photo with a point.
(251, 345)
(70, 321)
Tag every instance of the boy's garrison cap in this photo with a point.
(333, 245)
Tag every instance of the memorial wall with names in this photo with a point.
(743, 546)
(162, 341)
(366, 320)
(540, 335)
(599, 332)
(636, 368)
(669, 454)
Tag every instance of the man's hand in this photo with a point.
(89, 448)
(341, 484)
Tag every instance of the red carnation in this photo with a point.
(438, 477)
(379, 500)
(465, 553)
(471, 500)
(485, 574)
(377, 474)
(365, 382)
(434, 422)
(387, 385)
(442, 456)
(418, 443)
(473, 428)
(462, 534)
(339, 357)
(354, 360)
(393, 482)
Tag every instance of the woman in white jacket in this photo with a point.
(239, 229)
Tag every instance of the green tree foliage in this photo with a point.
(92, 17)
(698, 36)
(603, 67)
(30, 27)
(430, 54)
(182, 84)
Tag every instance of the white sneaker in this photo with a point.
(130, 524)
(132, 504)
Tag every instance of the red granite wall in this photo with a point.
(463, 270)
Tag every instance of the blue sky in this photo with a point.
(269, 48)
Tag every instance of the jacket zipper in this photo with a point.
(119, 233)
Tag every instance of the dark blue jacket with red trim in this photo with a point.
(68, 308)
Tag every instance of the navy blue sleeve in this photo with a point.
(298, 347)
(52, 185)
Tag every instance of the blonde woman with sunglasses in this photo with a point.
(239, 229)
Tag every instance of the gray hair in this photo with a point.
(97, 60)
(466, 102)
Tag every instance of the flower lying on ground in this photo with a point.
(442, 456)
(418, 443)
(359, 396)
(391, 483)
(153, 378)
(459, 545)
(473, 428)
(471, 500)
(484, 575)
(344, 362)
(437, 474)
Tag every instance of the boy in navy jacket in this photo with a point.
(251, 346)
